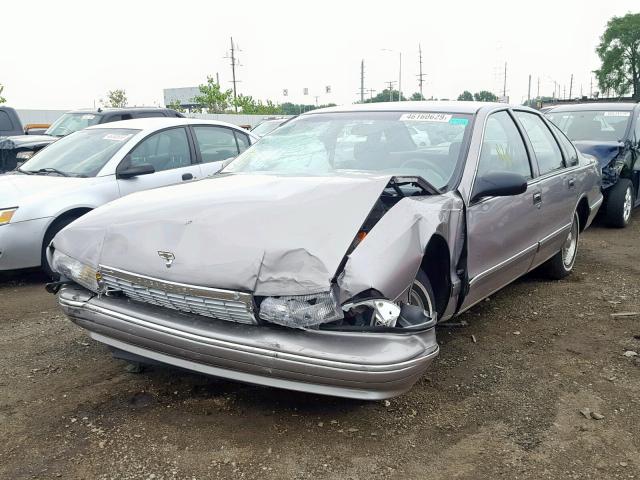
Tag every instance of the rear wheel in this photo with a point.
(561, 264)
(54, 228)
(619, 204)
(421, 294)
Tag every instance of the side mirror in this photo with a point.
(135, 171)
(498, 184)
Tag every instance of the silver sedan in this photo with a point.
(93, 166)
(322, 257)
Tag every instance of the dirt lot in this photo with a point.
(507, 406)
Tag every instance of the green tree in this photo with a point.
(176, 105)
(619, 52)
(485, 96)
(116, 99)
(386, 96)
(2, 99)
(212, 97)
(466, 96)
(416, 97)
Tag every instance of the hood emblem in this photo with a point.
(168, 258)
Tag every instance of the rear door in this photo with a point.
(502, 231)
(556, 182)
(215, 144)
(172, 154)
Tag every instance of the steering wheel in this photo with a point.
(432, 167)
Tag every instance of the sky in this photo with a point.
(69, 54)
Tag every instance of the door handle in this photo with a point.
(572, 182)
(187, 176)
(537, 199)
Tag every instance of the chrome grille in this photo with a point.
(209, 302)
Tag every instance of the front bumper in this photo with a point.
(21, 243)
(361, 365)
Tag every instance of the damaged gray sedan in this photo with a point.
(321, 258)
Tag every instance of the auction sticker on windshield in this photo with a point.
(426, 117)
(617, 114)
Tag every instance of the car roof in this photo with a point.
(620, 106)
(410, 106)
(158, 123)
(102, 111)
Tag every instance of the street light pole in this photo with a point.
(400, 79)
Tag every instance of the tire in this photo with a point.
(619, 204)
(54, 228)
(561, 264)
(421, 294)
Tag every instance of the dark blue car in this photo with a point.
(611, 133)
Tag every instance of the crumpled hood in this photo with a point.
(17, 188)
(604, 152)
(24, 141)
(271, 235)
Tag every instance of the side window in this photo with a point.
(215, 143)
(243, 141)
(570, 152)
(503, 149)
(544, 145)
(637, 130)
(164, 150)
(159, 113)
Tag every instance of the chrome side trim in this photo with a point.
(497, 267)
(597, 203)
(555, 233)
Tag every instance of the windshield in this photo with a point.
(397, 143)
(82, 154)
(597, 125)
(72, 122)
(267, 127)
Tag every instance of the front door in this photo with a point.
(172, 156)
(502, 231)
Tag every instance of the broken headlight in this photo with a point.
(75, 270)
(301, 311)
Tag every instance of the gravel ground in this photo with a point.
(507, 405)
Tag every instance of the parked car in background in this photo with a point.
(611, 133)
(10, 123)
(267, 126)
(320, 268)
(19, 147)
(101, 163)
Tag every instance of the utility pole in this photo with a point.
(591, 88)
(564, 92)
(218, 78)
(420, 75)
(316, 97)
(529, 92)
(504, 88)
(371, 91)
(538, 94)
(362, 81)
(571, 86)
(390, 84)
(233, 74)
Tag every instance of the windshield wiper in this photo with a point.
(49, 170)
(26, 172)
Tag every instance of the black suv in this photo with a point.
(611, 133)
(17, 149)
